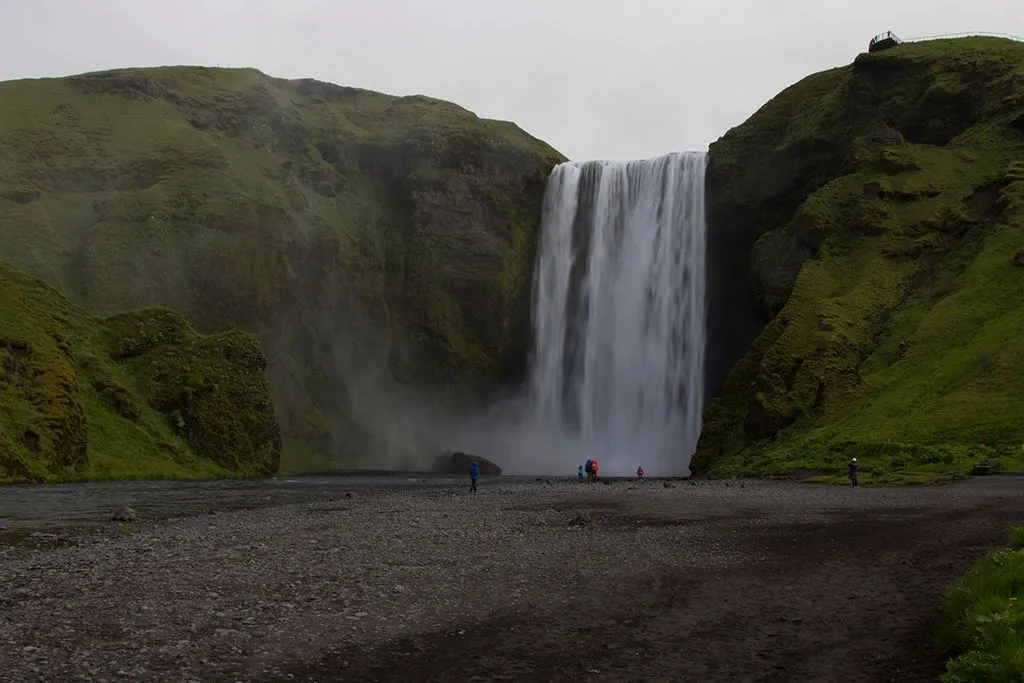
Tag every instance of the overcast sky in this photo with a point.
(611, 79)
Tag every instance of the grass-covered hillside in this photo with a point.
(879, 209)
(357, 234)
(137, 395)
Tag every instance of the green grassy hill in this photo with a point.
(138, 395)
(880, 206)
(358, 235)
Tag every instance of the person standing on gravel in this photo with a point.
(579, 472)
(587, 466)
(474, 473)
(853, 472)
(593, 471)
(640, 472)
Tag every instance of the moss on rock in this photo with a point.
(347, 229)
(883, 303)
(87, 398)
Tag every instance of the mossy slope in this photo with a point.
(881, 208)
(351, 231)
(139, 395)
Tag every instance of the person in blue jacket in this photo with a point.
(474, 474)
(579, 472)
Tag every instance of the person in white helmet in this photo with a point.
(853, 472)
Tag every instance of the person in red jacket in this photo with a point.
(640, 472)
(593, 471)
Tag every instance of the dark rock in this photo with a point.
(458, 463)
(882, 134)
(1018, 259)
(873, 189)
(21, 195)
(580, 520)
(125, 514)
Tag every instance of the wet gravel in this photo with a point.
(304, 591)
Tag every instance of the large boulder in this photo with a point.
(459, 463)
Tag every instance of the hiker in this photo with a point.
(853, 472)
(593, 471)
(640, 472)
(474, 473)
(579, 472)
(587, 466)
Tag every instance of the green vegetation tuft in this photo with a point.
(137, 396)
(889, 270)
(352, 232)
(984, 618)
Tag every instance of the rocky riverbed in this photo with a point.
(525, 580)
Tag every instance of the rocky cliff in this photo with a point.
(136, 395)
(866, 281)
(362, 237)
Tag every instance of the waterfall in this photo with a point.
(619, 314)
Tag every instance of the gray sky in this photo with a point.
(595, 78)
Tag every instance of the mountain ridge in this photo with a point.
(373, 243)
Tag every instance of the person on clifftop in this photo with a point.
(474, 474)
(853, 472)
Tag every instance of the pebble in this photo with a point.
(125, 514)
(274, 588)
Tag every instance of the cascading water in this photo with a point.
(619, 314)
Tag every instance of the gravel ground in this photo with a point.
(521, 581)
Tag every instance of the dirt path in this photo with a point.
(849, 590)
(524, 581)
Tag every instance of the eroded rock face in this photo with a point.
(757, 178)
(358, 235)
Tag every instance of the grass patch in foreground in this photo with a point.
(984, 618)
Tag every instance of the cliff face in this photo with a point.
(356, 234)
(865, 288)
(137, 395)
